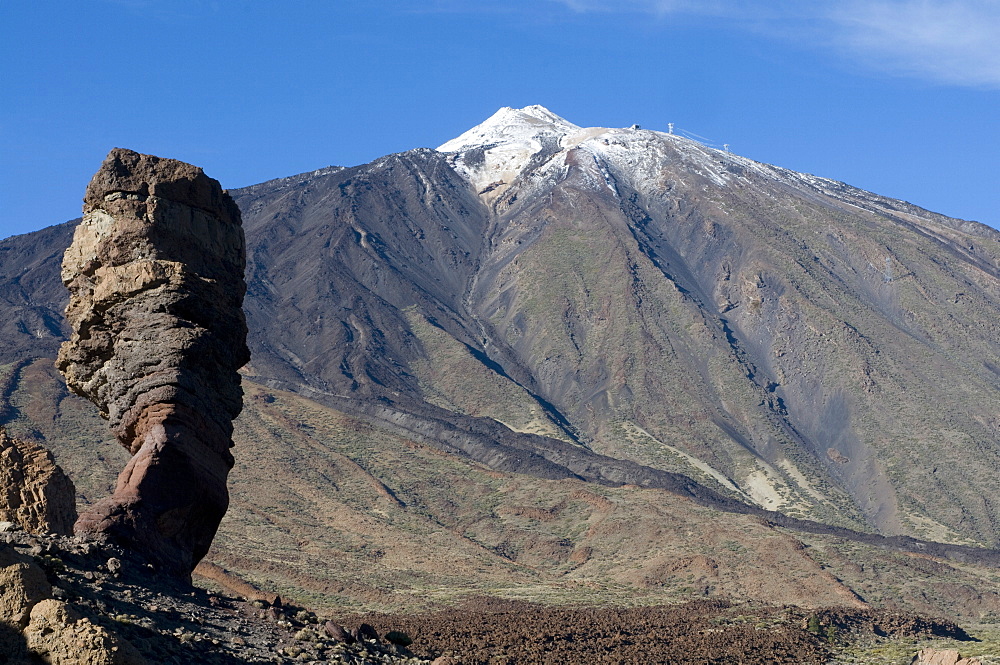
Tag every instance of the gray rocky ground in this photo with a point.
(67, 600)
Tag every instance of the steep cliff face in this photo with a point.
(155, 274)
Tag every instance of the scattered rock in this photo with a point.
(36, 625)
(35, 494)
(365, 632)
(889, 623)
(337, 633)
(942, 657)
(492, 630)
(22, 584)
(398, 638)
(155, 274)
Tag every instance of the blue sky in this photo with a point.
(901, 97)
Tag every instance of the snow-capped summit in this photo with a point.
(498, 152)
(528, 127)
(494, 153)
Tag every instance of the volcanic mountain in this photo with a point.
(790, 340)
(505, 336)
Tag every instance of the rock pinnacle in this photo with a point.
(155, 274)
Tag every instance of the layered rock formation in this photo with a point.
(35, 493)
(155, 274)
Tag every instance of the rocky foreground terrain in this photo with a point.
(70, 601)
(67, 600)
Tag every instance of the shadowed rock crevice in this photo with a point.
(155, 274)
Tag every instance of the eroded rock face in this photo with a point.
(155, 274)
(35, 493)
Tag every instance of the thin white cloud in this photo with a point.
(955, 42)
(661, 7)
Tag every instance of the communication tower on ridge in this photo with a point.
(670, 128)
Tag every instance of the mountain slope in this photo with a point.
(450, 345)
(786, 339)
(334, 512)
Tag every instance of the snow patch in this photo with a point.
(509, 125)
(494, 154)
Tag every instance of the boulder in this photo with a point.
(337, 633)
(35, 494)
(365, 632)
(155, 274)
(60, 636)
(22, 585)
(942, 657)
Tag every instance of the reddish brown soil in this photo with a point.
(495, 632)
(710, 632)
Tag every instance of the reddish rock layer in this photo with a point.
(155, 274)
